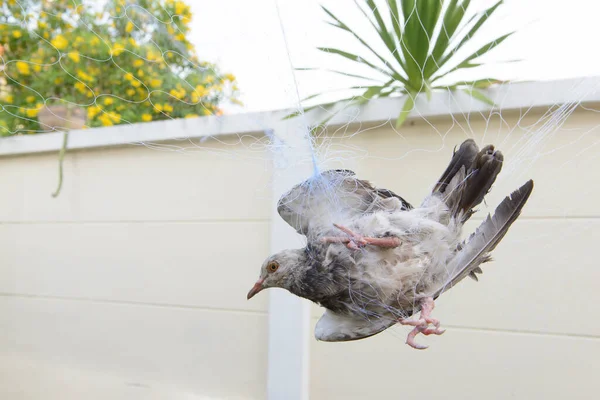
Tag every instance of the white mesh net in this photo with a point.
(79, 64)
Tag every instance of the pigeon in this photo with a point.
(373, 260)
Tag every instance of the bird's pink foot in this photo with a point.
(354, 241)
(421, 325)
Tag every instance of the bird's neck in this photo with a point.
(310, 281)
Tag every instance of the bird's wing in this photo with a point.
(334, 196)
(333, 327)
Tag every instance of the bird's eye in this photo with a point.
(272, 267)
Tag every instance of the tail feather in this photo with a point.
(463, 157)
(468, 178)
(485, 239)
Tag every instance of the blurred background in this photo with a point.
(144, 145)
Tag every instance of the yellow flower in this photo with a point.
(138, 63)
(82, 75)
(108, 101)
(195, 97)
(17, 34)
(105, 120)
(201, 90)
(30, 99)
(117, 49)
(168, 108)
(180, 8)
(116, 118)
(46, 35)
(191, 116)
(129, 76)
(153, 56)
(93, 111)
(33, 112)
(121, 107)
(130, 92)
(158, 108)
(80, 86)
(178, 94)
(209, 79)
(89, 93)
(9, 98)
(129, 26)
(229, 77)
(132, 42)
(23, 67)
(146, 117)
(74, 57)
(155, 83)
(60, 42)
(170, 30)
(136, 83)
(140, 72)
(180, 37)
(42, 25)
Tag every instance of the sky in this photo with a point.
(261, 41)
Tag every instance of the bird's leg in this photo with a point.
(421, 325)
(354, 241)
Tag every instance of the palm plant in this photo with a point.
(421, 38)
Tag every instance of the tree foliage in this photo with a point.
(124, 62)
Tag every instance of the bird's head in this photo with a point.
(280, 270)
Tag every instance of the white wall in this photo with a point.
(132, 283)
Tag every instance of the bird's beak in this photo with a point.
(258, 286)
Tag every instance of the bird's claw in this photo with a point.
(421, 325)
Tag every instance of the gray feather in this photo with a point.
(486, 237)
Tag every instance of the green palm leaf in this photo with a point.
(409, 104)
(421, 38)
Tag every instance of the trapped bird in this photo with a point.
(373, 260)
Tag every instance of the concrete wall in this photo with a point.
(131, 284)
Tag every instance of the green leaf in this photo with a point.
(480, 83)
(368, 95)
(466, 63)
(428, 92)
(396, 20)
(486, 48)
(372, 92)
(337, 72)
(476, 94)
(452, 19)
(343, 26)
(357, 59)
(410, 44)
(409, 104)
(382, 30)
(483, 17)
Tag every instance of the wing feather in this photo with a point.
(334, 196)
